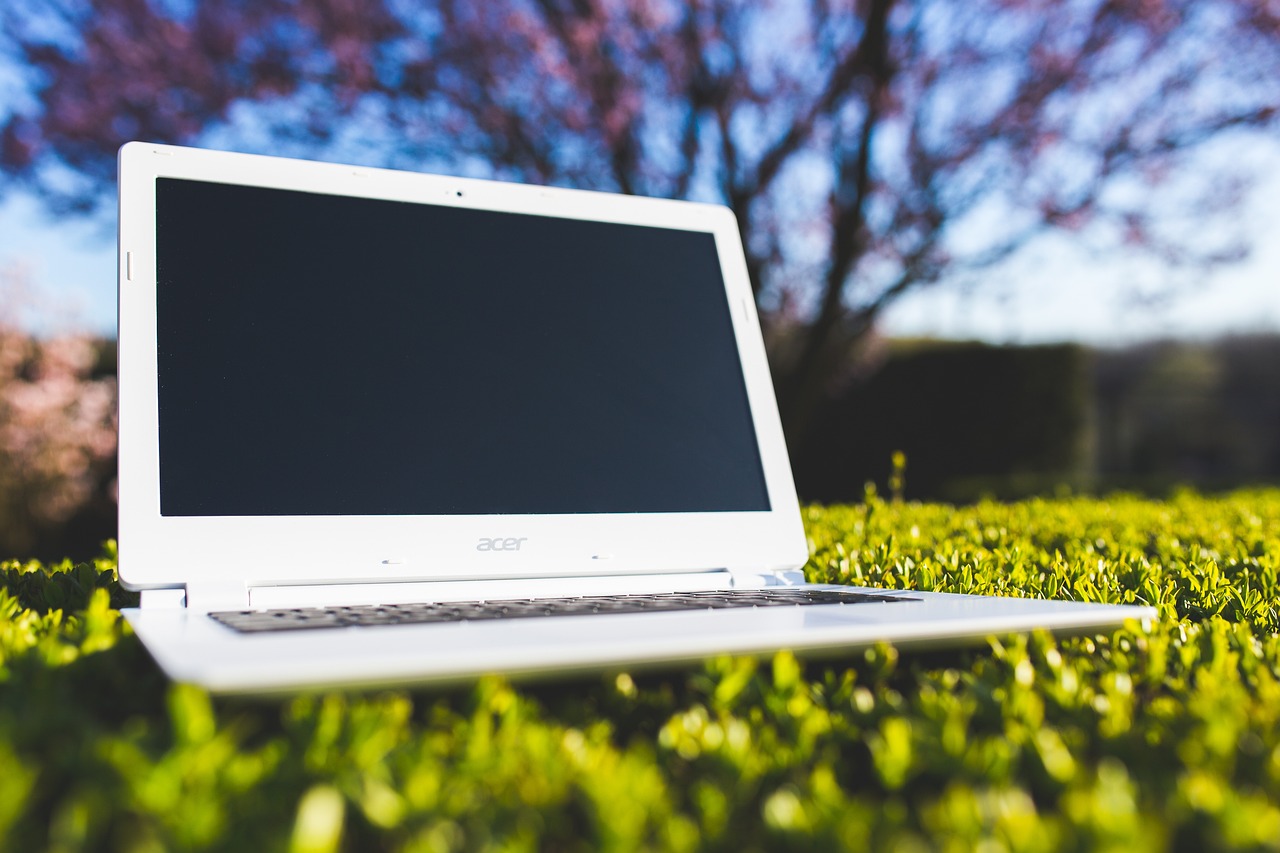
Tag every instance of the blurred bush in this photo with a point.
(57, 443)
(1009, 422)
(971, 419)
(1201, 413)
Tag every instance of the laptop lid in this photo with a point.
(342, 374)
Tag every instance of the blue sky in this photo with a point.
(1055, 291)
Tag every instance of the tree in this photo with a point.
(866, 147)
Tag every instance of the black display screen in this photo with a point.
(328, 355)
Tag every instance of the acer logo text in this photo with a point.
(499, 544)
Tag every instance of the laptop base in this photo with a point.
(192, 647)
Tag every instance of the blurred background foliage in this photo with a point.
(868, 148)
(977, 420)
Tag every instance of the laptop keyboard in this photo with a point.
(253, 621)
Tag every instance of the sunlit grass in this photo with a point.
(1141, 739)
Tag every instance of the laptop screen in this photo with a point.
(330, 355)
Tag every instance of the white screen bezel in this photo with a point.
(156, 550)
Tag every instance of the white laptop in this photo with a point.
(385, 428)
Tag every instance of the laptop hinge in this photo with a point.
(755, 579)
(210, 596)
(168, 598)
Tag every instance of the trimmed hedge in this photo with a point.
(1167, 739)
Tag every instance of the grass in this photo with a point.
(1137, 740)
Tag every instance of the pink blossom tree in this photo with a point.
(867, 147)
(57, 425)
